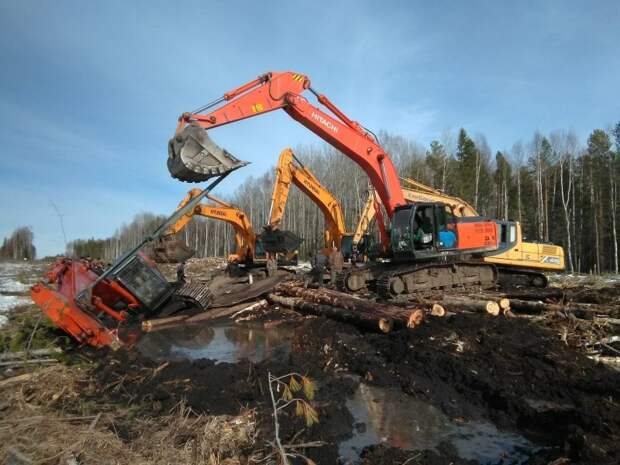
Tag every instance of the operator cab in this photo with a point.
(424, 230)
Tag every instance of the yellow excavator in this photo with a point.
(171, 250)
(290, 170)
(521, 262)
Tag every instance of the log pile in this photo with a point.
(371, 315)
(341, 306)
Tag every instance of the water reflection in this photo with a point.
(228, 343)
(389, 416)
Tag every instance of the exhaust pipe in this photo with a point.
(194, 157)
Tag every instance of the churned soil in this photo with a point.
(515, 374)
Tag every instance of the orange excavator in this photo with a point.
(91, 302)
(519, 262)
(170, 250)
(428, 245)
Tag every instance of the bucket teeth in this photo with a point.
(194, 157)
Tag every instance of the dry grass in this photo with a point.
(45, 421)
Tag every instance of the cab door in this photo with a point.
(424, 228)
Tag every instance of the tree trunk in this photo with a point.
(362, 320)
(613, 206)
(348, 302)
(454, 303)
(594, 208)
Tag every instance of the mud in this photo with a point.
(463, 389)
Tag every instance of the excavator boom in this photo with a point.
(282, 90)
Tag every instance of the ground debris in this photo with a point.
(526, 374)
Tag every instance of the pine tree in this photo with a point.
(466, 156)
(437, 161)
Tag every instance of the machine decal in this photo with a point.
(328, 124)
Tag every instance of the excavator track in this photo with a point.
(514, 277)
(196, 294)
(405, 280)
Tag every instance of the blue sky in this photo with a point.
(90, 91)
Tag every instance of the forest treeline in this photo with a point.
(19, 245)
(562, 190)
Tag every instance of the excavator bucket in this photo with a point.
(194, 157)
(170, 251)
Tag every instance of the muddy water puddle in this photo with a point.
(388, 416)
(223, 343)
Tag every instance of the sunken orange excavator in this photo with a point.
(428, 246)
(91, 301)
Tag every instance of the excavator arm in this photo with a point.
(282, 90)
(245, 237)
(288, 172)
(368, 214)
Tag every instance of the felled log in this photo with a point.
(586, 295)
(161, 323)
(611, 361)
(611, 321)
(16, 379)
(212, 314)
(532, 306)
(580, 310)
(428, 306)
(455, 304)
(401, 317)
(223, 312)
(362, 320)
(30, 353)
(502, 301)
(437, 310)
(34, 361)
